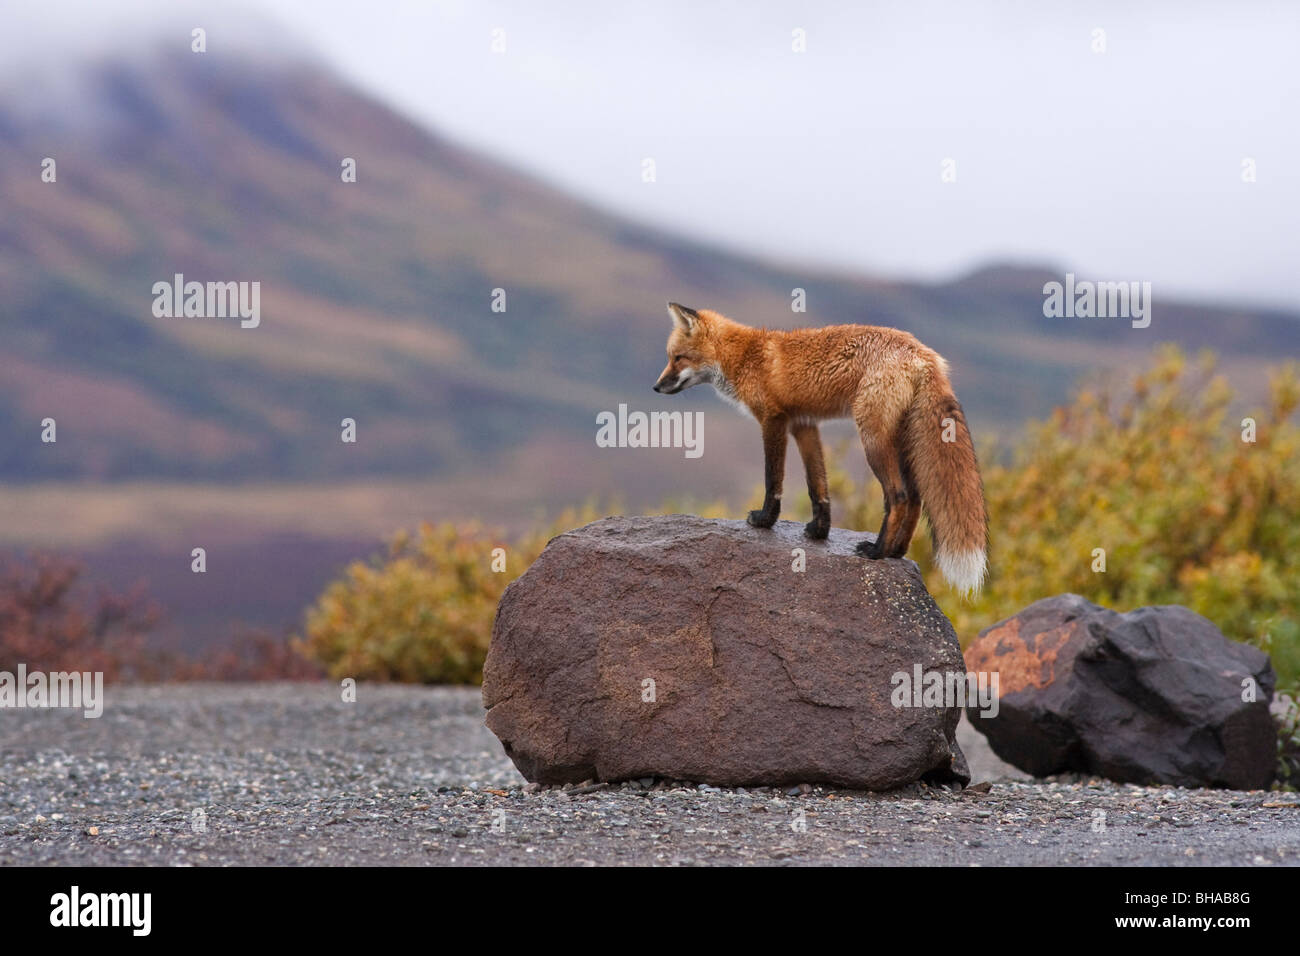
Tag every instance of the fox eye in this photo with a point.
(679, 358)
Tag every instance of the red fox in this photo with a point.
(894, 388)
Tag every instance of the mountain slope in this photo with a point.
(376, 299)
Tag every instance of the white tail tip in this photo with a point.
(964, 570)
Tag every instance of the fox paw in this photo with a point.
(820, 526)
(817, 529)
(869, 549)
(761, 519)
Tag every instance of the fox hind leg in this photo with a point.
(879, 426)
(903, 520)
(884, 463)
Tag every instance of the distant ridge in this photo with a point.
(376, 297)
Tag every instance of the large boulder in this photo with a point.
(1156, 695)
(692, 649)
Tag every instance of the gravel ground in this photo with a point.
(250, 774)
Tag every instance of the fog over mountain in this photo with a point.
(376, 305)
(1123, 161)
(377, 295)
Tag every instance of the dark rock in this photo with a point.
(762, 675)
(1153, 696)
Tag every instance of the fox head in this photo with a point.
(690, 352)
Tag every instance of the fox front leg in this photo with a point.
(809, 443)
(773, 472)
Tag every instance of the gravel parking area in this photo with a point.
(252, 774)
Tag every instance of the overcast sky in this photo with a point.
(1125, 164)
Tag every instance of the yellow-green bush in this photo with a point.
(422, 613)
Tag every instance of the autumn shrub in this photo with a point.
(250, 654)
(51, 619)
(422, 612)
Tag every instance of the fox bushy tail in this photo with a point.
(943, 466)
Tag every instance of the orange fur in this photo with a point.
(894, 388)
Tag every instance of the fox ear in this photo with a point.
(684, 318)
